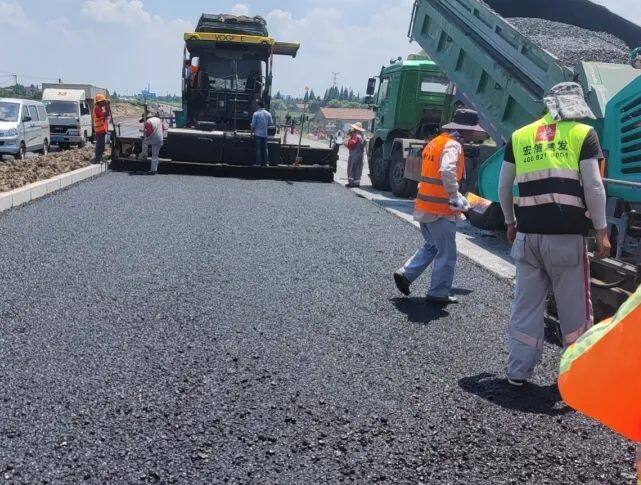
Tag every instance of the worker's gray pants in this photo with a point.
(155, 153)
(543, 263)
(355, 169)
(440, 248)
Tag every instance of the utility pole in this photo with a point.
(335, 78)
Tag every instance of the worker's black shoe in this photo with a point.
(402, 283)
(516, 382)
(441, 300)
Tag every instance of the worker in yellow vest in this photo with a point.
(438, 206)
(555, 162)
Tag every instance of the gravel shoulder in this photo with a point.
(18, 173)
(177, 329)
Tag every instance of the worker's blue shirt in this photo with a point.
(261, 121)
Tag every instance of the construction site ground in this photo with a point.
(171, 329)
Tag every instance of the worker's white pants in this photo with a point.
(155, 153)
(543, 263)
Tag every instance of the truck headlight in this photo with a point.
(9, 133)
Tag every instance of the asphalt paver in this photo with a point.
(178, 329)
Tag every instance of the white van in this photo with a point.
(24, 127)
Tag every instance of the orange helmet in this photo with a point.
(100, 97)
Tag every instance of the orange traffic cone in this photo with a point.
(600, 374)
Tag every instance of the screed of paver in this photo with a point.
(197, 330)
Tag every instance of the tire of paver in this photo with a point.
(378, 170)
(401, 187)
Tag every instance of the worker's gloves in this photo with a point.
(459, 203)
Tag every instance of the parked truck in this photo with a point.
(231, 61)
(70, 110)
(504, 75)
(413, 100)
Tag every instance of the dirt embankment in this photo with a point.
(18, 173)
(126, 110)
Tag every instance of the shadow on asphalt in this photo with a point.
(531, 398)
(418, 310)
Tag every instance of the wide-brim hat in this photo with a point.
(358, 127)
(464, 119)
(566, 101)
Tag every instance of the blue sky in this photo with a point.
(123, 44)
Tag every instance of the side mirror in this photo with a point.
(369, 99)
(371, 86)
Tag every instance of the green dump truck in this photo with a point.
(412, 101)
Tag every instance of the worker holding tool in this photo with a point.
(438, 206)
(153, 135)
(101, 115)
(261, 121)
(355, 143)
(555, 162)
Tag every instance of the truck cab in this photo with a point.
(412, 101)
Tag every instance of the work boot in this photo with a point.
(441, 300)
(402, 283)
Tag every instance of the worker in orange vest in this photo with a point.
(438, 206)
(101, 115)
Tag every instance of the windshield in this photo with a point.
(222, 73)
(61, 108)
(9, 111)
(434, 84)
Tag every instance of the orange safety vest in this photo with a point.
(100, 123)
(432, 197)
(600, 374)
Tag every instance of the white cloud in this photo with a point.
(116, 11)
(240, 9)
(12, 13)
(330, 44)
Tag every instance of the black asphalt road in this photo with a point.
(178, 329)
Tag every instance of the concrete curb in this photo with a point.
(34, 191)
(478, 255)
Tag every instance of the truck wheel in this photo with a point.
(45, 148)
(401, 187)
(22, 153)
(378, 170)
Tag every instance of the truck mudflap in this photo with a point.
(230, 155)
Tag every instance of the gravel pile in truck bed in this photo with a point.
(194, 330)
(571, 44)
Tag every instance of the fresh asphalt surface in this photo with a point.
(180, 329)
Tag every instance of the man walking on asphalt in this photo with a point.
(356, 145)
(153, 135)
(438, 207)
(261, 121)
(101, 115)
(555, 162)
